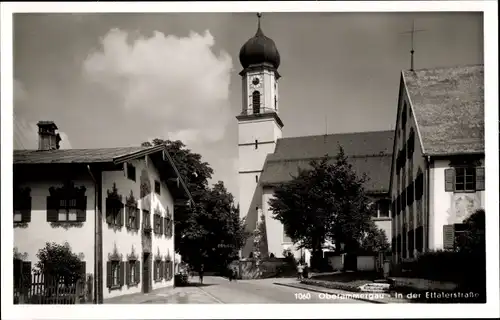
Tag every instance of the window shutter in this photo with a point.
(167, 273)
(127, 217)
(170, 227)
(120, 217)
(109, 274)
(122, 273)
(137, 219)
(170, 270)
(83, 269)
(81, 211)
(162, 269)
(162, 225)
(109, 209)
(127, 272)
(52, 209)
(137, 271)
(26, 212)
(480, 186)
(449, 236)
(155, 268)
(449, 180)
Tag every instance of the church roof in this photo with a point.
(448, 104)
(368, 152)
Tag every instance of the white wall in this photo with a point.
(336, 262)
(125, 239)
(33, 236)
(365, 263)
(449, 207)
(252, 159)
(274, 228)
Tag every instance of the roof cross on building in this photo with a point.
(412, 33)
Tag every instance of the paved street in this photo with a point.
(220, 290)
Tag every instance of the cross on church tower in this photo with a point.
(412, 32)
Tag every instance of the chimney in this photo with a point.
(48, 139)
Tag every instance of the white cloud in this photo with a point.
(26, 132)
(179, 81)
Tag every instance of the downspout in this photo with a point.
(428, 202)
(97, 238)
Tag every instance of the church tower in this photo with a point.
(259, 125)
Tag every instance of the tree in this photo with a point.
(474, 237)
(326, 201)
(375, 240)
(214, 232)
(55, 260)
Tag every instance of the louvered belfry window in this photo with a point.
(256, 102)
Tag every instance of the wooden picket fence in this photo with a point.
(43, 290)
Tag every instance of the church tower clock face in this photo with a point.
(256, 81)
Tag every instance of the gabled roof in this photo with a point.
(368, 152)
(89, 156)
(74, 155)
(448, 104)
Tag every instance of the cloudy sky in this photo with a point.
(120, 79)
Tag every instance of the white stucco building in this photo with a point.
(113, 206)
(267, 159)
(437, 176)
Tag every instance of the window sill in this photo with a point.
(465, 191)
(66, 224)
(115, 287)
(135, 284)
(21, 224)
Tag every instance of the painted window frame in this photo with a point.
(465, 176)
(67, 206)
(133, 217)
(146, 220)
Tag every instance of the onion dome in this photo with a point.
(259, 50)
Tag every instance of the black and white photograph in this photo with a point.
(280, 158)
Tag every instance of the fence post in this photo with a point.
(77, 291)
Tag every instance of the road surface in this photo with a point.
(217, 290)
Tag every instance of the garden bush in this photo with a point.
(58, 261)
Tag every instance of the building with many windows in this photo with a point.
(437, 176)
(114, 207)
(267, 159)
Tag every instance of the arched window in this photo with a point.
(256, 101)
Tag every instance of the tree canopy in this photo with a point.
(210, 232)
(327, 202)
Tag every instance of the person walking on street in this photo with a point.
(200, 273)
(300, 270)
